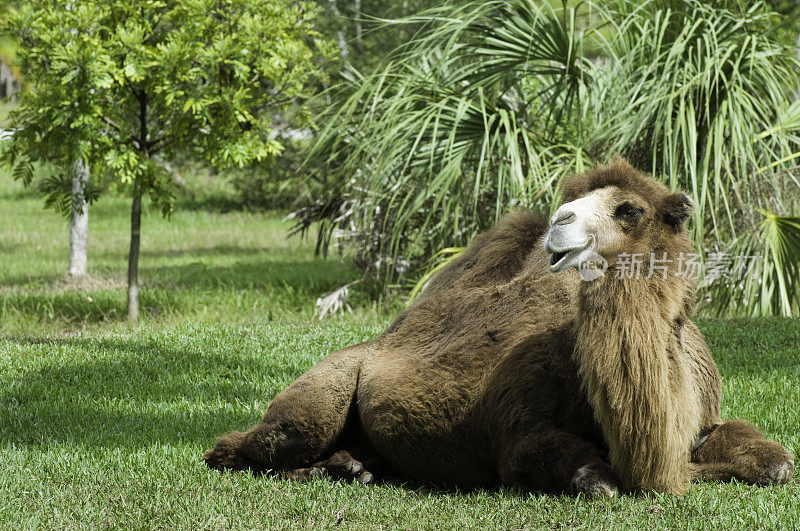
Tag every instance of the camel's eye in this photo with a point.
(628, 213)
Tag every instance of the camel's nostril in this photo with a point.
(564, 218)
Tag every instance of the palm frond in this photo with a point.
(493, 102)
(764, 274)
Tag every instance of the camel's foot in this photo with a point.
(595, 482)
(779, 473)
(737, 450)
(340, 465)
(303, 474)
(777, 465)
(228, 454)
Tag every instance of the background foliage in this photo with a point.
(99, 75)
(459, 111)
(494, 102)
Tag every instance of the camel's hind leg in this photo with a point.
(735, 449)
(302, 423)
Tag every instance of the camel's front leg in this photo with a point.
(341, 465)
(735, 449)
(557, 461)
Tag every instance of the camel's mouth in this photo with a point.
(565, 258)
(557, 257)
(561, 259)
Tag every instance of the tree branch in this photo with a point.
(155, 147)
(111, 123)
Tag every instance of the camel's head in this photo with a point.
(612, 210)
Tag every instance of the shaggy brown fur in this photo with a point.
(503, 373)
(638, 376)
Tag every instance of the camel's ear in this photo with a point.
(677, 208)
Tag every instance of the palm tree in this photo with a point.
(493, 102)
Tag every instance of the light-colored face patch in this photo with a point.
(582, 226)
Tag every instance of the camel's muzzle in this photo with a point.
(570, 233)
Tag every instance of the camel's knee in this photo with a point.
(595, 481)
(281, 445)
(750, 456)
(229, 453)
(265, 446)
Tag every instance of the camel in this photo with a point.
(510, 370)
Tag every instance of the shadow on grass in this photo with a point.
(6, 247)
(213, 251)
(255, 262)
(171, 290)
(213, 203)
(32, 281)
(19, 194)
(146, 394)
(66, 307)
(312, 277)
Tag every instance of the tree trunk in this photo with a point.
(344, 52)
(359, 27)
(79, 223)
(9, 84)
(133, 256)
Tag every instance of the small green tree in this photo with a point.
(126, 86)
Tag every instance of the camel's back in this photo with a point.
(479, 304)
(493, 258)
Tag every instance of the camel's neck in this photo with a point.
(636, 377)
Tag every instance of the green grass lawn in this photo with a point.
(198, 266)
(5, 108)
(102, 424)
